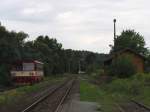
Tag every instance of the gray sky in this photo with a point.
(77, 24)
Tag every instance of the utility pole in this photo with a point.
(114, 30)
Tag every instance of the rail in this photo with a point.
(64, 97)
(140, 106)
(33, 105)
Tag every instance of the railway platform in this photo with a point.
(75, 105)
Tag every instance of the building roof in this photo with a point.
(121, 51)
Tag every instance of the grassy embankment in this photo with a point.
(8, 97)
(116, 92)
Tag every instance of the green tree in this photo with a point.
(130, 39)
(50, 52)
(11, 44)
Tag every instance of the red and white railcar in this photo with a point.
(27, 71)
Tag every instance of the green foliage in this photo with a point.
(124, 86)
(89, 61)
(90, 68)
(136, 87)
(122, 67)
(130, 39)
(4, 76)
(94, 62)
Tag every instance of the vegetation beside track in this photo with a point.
(92, 93)
(11, 96)
(119, 91)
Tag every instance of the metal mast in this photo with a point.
(114, 30)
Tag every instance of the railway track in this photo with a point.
(8, 88)
(134, 106)
(52, 101)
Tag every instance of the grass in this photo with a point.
(8, 97)
(117, 91)
(92, 93)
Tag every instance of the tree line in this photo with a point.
(56, 59)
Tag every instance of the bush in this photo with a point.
(130, 87)
(94, 68)
(4, 76)
(122, 67)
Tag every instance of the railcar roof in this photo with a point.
(27, 61)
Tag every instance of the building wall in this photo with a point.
(137, 60)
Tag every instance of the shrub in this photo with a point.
(92, 68)
(122, 67)
(129, 86)
(4, 76)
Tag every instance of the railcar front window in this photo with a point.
(28, 66)
(17, 68)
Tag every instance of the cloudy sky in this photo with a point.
(77, 24)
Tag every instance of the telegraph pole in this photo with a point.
(114, 30)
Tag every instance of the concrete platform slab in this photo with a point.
(76, 105)
(79, 106)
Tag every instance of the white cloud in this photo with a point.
(78, 24)
(35, 8)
